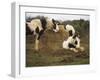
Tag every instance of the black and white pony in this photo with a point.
(70, 29)
(38, 26)
(73, 43)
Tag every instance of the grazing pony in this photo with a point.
(70, 29)
(38, 26)
(72, 43)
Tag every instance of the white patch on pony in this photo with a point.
(78, 42)
(55, 30)
(70, 27)
(34, 24)
(66, 42)
(57, 27)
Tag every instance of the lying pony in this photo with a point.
(73, 43)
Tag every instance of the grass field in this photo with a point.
(51, 52)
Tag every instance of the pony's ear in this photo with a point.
(77, 34)
(53, 20)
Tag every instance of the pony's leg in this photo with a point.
(81, 48)
(40, 34)
(73, 49)
(37, 39)
(36, 43)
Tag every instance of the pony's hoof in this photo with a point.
(82, 48)
(76, 51)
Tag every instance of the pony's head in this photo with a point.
(76, 35)
(55, 26)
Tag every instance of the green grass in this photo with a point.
(51, 52)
